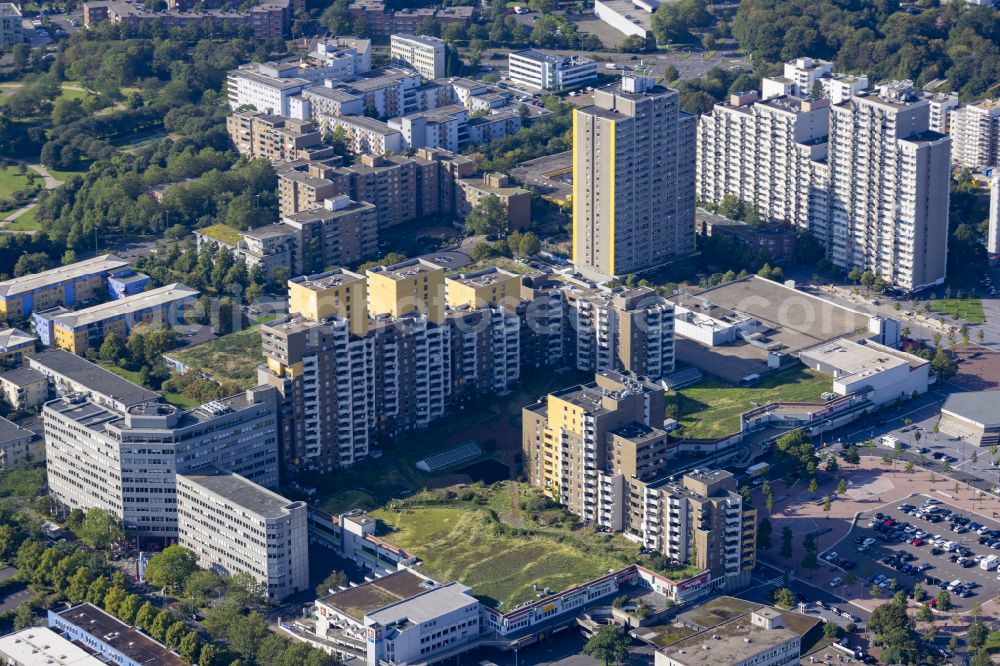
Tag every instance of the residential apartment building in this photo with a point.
(364, 135)
(305, 185)
(15, 344)
(471, 192)
(126, 460)
(802, 75)
(19, 446)
(65, 285)
(389, 184)
(275, 138)
(566, 436)
(236, 526)
(768, 154)
(422, 53)
(342, 231)
(384, 93)
(80, 330)
(11, 31)
(445, 127)
(622, 329)
(68, 373)
(270, 247)
(267, 20)
(536, 69)
(345, 56)
(975, 134)
(890, 177)
(383, 22)
(24, 388)
(265, 87)
(633, 179)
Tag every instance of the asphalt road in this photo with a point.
(767, 578)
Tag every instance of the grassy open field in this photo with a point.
(26, 222)
(712, 407)
(11, 181)
(232, 357)
(66, 175)
(967, 309)
(469, 538)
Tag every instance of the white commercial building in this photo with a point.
(236, 526)
(708, 324)
(402, 618)
(424, 54)
(41, 646)
(126, 461)
(11, 30)
(975, 132)
(760, 640)
(866, 365)
(536, 69)
(629, 17)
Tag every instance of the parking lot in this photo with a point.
(893, 550)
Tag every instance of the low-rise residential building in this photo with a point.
(126, 461)
(15, 344)
(236, 526)
(126, 282)
(472, 191)
(536, 69)
(24, 388)
(345, 56)
(383, 21)
(19, 446)
(271, 247)
(423, 53)
(493, 124)
(11, 30)
(267, 20)
(65, 285)
(778, 241)
(445, 127)
(105, 635)
(80, 330)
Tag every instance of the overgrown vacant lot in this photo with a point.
(712, 407)
(232, 357)
(475, 536)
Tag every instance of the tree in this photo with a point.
(925, 614)
(145, 616)
(786, 542)
(842, 487)
(163, 621)
(175, 634)
(171, 566)
(201, 585)
(673, 22)
(100, 529)
(795, 454)
(243, 590)
(977, 634)
(783, 598)
(489, 217)
(128, 609)
(827, 505)
(831, 630)
(332, 583)
(810, 561)
(112, 348)
(851, 455)
(831, 465)
(34, 262)
(764, 530)
(944, 365)
(944, 601)
(113, 599)
(609, 644)
(210, 655)
(24, 617)
(530, 245)
(189, 647)
(97, 590)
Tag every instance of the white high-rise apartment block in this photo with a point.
(345, 56)
(942, 106)
(235, 526)
(540, 70)
(801, 76)
(633, 179)
(766, 154)
(424, 54)
(889, 186)
(975, 131)
(11, 31)
(264, 88)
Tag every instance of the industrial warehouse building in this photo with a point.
(974, 416)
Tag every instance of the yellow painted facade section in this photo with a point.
(398, 296)
(563, 417)
(504, 292)
(344, 300)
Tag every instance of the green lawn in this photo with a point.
(712, 408)
(232, 357)
(27, 222)
(967, 309)
(11, 181)
(469, 540)
(181, 401)
(66, 175)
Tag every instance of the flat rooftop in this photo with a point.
(628, 10)
(426, 606)
(92, 377)
(40, 646)
(853, 360)
(728, 643)
(129, 305)
(357, 602)
(28, 283)
(420, 39)
(322, 281)
(486, 278)
(240, 491)
(10, 431)
(270, 231)
(365, 123)
(323, 213)
(981, 407)
(132, 643)
(22, 376)
(406, 269)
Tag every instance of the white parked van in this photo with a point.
(989, 563)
